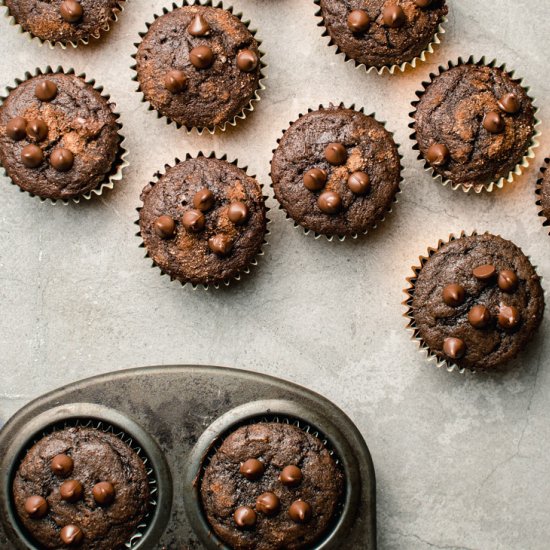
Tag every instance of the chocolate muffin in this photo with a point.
(543, 192)
(204, 221)
(382, 33)
(476, 302)
(473, 124)
(81, 487)
(58, 136)
(199, 66)
(336, 171)
(271, 486)
(64, 21)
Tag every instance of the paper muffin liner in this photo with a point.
(394, 201)
(85, 40)
(390, 69)
(529, 154)
(245, 271)
(538, 191)
(247, 109)
(276, 419)
(424, 349)
(120, 162)
(106, 427)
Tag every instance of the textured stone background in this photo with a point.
(462, 460)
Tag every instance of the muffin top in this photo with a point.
(204, 221)
(336, 171)
(545, 192)
(81, 487)
(474, 124)
(380, 33)
(58, 136)
(64, 20)
(199, 66)
(271, 486)
(477, 301)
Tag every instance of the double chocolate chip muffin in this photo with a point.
(382, 33)
(81, 487)
(199, 66)
(204, 221)
(476, 302)
(473, 123)
(336, 171)
(271, 486)
(58, 137)
(543, 192)
(64, 21)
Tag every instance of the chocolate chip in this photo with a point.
(46, 90)
(16, 128)
(62, 159)
(423, 3)
(454, 295)
(36, 507)
(438, 154)
(165, 227)
(336, 153)
(62, 465)
(245, 517)
(199, 26)
(32, 156)
(358, 21)
(220, 244)
(175, 81)
(37, 129)
(203, 200)
(104, 493)
(509, 103)
(71, 535)
(315, 179)
(193, 220)
(291, 476)
(300, 511)
(268, 504)
(71, 490)
(247, 61)
(484, 272)
(508, 281)
(201, 57)
(454, 348)
(509, 317)
(479, 317)
(329, 202)
(393, 16)
(493, 122)
(359, 183)
(252, 469)
(238, 212)
(71, 11)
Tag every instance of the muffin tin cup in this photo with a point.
(390, 69)
(247, 269)
(64, 44)
(545, 167)
(107, 420)
(249, 108)
(120, 162)
(353, 236)
(529, 153)
(284, 412)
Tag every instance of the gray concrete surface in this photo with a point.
(462, 460)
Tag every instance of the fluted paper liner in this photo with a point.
(120, 162)
(538, 191)
(529, 154)
(342, 238)
(246, 270)
(262, 78)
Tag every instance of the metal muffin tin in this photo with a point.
(177, 414)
